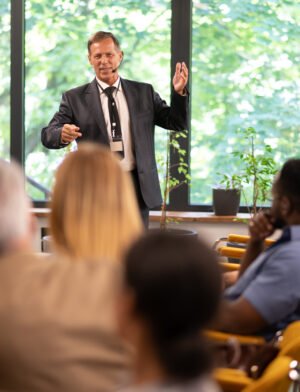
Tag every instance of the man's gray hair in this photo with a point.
(14, 204)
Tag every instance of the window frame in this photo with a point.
(17, 118)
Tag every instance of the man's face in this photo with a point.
(105, 58)
(279, 218)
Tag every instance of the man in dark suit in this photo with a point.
(88, 113)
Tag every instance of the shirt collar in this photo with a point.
(295, 232)
(117, 84)
(289, 233)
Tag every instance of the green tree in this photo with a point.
(245, 73)
(5, 79)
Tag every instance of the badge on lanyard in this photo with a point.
(116, 146)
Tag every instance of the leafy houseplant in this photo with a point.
(170, 182)
(257, 170)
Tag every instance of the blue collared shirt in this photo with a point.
(272, 282)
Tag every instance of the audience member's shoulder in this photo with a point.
(99, 273)
(50, 270)
(18, 268)
(65, 263)
(22, 259)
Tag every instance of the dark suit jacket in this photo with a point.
(81, 106)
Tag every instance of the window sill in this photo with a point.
(183, 216)
(188, 216)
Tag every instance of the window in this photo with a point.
(56, 60)
(245, 69)
(5, 80)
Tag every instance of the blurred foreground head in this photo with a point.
(16, 227)
(172, 287)
(93, 209)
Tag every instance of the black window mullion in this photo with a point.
(17, 81)
(181, 33)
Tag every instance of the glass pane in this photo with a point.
(245, 64)
(5, 79)
(56, 60)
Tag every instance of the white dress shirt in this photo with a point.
(128, 162)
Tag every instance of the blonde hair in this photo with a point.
(94, 213)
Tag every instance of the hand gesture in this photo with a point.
(260, 227)
(69, 133)
(180, 78)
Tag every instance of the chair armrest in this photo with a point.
(219, 336)
(228, 267)
(229, 251)
(244, 239)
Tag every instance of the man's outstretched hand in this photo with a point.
(69, 133)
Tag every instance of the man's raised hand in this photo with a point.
(180, 78)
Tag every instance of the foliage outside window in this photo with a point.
(5, 79)
(56, 60)
(245, 70)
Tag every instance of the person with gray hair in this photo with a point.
(17, 227)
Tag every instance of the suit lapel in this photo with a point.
(131, 102)
(94, 103)
(132, 99)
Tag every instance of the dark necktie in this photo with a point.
(116, 132)
(113, 114)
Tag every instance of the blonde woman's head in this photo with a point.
(93, 209)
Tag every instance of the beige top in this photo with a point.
(57, 326)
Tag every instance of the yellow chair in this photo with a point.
(291, 332)
(231, 380)
(280, 376)
(229, 267)
(235, 380)
(241, 239)
(289, 342)
(218, 336)
(235, 252)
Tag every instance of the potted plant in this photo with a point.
(226, 198)
(259, 168)
(170, 182)
(254, 181)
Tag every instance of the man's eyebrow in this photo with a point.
(103, 53)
